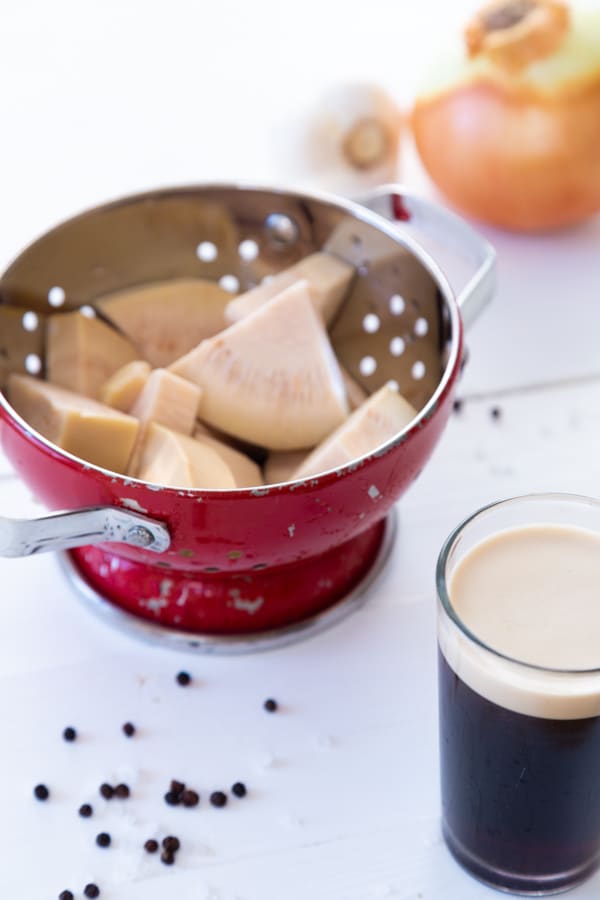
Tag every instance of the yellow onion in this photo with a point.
(509, 130)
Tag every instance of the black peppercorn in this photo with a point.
(190, 799)
(107, 791)
(103, 839)
(218, 799)
(171, 844)
(69, 734)
(41, 792)
(122, 791)
(92, 891)
(128, 729)
(177, 787)
(151, 846)
(172, 799)
(85, 811)
(239, 789)
(183, 678)
(270, 705)
(65, 895)
(167, 857)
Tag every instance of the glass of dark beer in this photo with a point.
(519, 692)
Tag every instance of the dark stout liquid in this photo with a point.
(520, 794)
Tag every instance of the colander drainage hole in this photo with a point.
(367, 365)
(421, 327)
(418, 370)
(206, 251)
(248, 250)
(397, 305)
(30, 321)
(229, 283)
(371, 323)
(33, 364)
(56, 296)
(397, 346)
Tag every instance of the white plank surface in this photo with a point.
(343, 801)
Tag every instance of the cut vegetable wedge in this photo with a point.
(166, 319)
(378, 420)
(328, 277)
(81, 426)
(271, 379)
(82, 353)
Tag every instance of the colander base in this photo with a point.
(155, 630)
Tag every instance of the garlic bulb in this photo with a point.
(350, 139)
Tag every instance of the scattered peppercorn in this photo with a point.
(177, 787)
(122, 791)
(190, 799)
(457, 405)
(69, 734)
(218, 799)
(65, 895)
(167, 857)
(128, 729)
(495, 412)
(151, 846)
(107, 791)
(92, 891)
(103, 839)
(183, 678)
(239, 789)
(171, 844)
(270, 705)
(85, 811)
(41, 792)
(172, 799)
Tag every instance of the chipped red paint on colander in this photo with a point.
(245, 561)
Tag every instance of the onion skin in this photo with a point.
(518, 147)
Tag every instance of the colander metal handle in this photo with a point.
(97, 525)
(466, 258)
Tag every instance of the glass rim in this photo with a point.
(450, 543)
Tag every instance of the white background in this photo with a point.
(98, 100)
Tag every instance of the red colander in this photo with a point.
(242, 569)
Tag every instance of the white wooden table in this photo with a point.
(343, 784)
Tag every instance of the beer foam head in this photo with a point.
(519, 618)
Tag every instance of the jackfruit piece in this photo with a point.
(328, 278)
(83, 427)
(82, 353)
(168, 400)
(379, 419)
(244, 470)
(165, 400)
(176, 460)
(281, 465)
(124, 387)
(271, 379)
(168, 318)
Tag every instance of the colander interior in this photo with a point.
(394, 325)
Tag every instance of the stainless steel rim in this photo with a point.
(234, 644)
